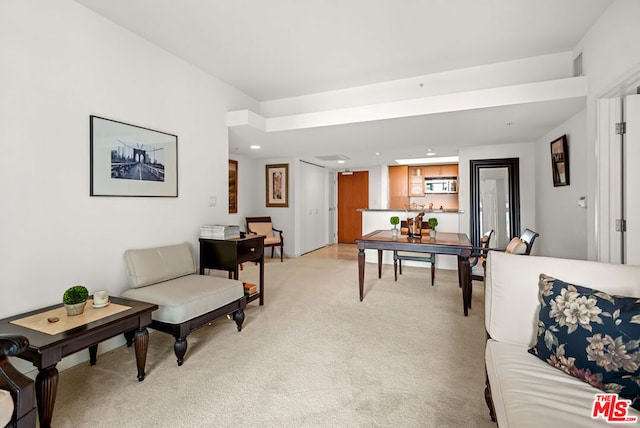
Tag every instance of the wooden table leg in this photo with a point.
(464, 269)
(93, 354)
(141, 344)
(379, 264)
(361, 272)
(261, 279)
(46, 388)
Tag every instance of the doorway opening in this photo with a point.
(353, 194)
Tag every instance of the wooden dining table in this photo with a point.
(456, 244)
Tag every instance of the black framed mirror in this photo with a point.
(495, 200)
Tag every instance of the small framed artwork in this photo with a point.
(277, 182)
(233, 186)
(560, 162)
(129, 160)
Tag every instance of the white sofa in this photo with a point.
(524, 390)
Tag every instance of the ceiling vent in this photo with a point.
(332, 157)
(577, 66)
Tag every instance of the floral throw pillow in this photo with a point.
(590, 335)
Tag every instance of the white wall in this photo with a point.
(610, 53)
(561, 223)
(283, 218)
(60, 64)
(250, 190)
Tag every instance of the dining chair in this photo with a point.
(479, 255)
(518, 245)
(399, 256)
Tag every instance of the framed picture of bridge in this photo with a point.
(130, 160)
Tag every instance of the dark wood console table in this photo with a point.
(227, 254)
(46, 350)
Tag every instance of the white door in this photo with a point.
(618, 180)
(314, 207)
(632, 178)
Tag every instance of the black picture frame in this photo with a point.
(560, 162)
(131, 160)
(233, 186)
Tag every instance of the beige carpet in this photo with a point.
(312, 356)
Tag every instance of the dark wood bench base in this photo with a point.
(182, 330)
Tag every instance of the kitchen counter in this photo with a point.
(416, 211)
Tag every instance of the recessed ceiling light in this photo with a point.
(377, 153)
(254, 147)
(340, 161)
(431, 153)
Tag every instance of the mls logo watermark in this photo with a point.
(612, 409)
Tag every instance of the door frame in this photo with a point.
(609, 156)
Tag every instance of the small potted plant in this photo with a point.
(395, 221)
(432, 223)
(74, 299)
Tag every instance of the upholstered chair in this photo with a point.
(17, 392)
(264, 226)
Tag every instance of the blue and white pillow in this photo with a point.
(591, 335)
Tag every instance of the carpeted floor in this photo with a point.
(312, 356)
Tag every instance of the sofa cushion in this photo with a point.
(6, 407)
(152, 265)
(187, 297)
(528, 393)
(591, 335)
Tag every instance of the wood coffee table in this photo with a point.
(46, 350)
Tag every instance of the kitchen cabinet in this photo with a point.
(446, 170)
(416, 180)
(408, 181)
(398, 186)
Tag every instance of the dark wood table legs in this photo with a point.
(46, 387)
(454, 244)
(464, 275)
(361, 272)
(46, 350)
(141, 344)
(229, 254)
(47, 378)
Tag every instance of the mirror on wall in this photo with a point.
(495, 200)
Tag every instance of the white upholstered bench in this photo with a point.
(167, 276)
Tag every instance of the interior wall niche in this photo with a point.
(495, 199)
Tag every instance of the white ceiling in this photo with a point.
(283, 48)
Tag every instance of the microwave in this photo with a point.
(441, 185)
